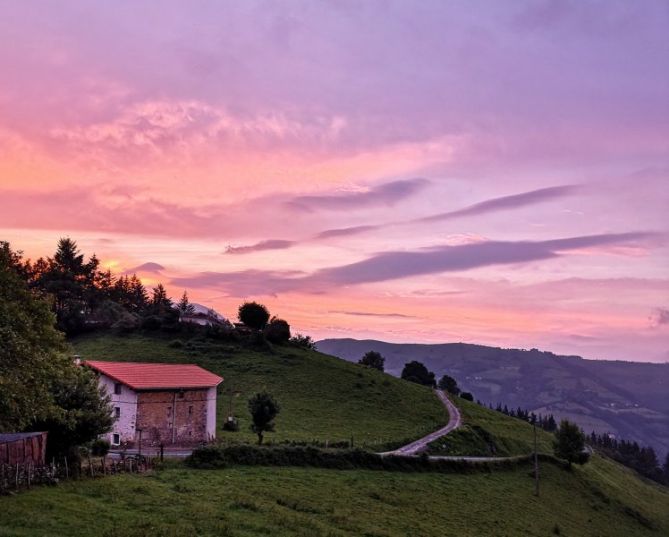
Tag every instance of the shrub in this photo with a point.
(467, 396)
(263, 409)
(253, 315)
(277, 331)
(176, 344)
(373, 359)
(100, 447)
(152, 322)
(449, 384)
(304, 342)
(207, 457)
(417, 372)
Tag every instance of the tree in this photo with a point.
(40, 386)
(304, 342)
(263, 409)
(161, 304)
(277, 331)
(184, 306)
(569, 443)
(30, 352)
(253, 315)
(449, 384)
(373, 359)
(467, 396)
(417, 372)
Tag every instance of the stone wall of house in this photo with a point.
(172, 417)
(126, 402)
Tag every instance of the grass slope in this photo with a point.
(322, 398)
(485, 432)
(600, 499)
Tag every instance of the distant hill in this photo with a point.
(628, 399)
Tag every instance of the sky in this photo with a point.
(486, 172)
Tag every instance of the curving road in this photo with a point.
(454, 421)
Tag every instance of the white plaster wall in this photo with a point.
(127, 402)
(211, 413)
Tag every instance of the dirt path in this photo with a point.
(454, 421)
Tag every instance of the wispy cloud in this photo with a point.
(395, 265)
(345, 231)
(659, 317)
(270, 244)
(380, 195)
(505, 203)
(150, 266)
(373, 314)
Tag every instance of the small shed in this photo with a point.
(23, 448)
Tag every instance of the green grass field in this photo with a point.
(322, 398)
(485, 432)
(600, 499)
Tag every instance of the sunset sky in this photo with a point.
(487, 172)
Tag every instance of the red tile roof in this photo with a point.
(143, 376)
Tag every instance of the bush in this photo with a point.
(417, 372)
(100, 447)
(231, 425)
(467, 396)
(176, 344)
(253, 315)
(277, 331)
(304, 342)
(373, 359)
(341, 459)
(152, 322)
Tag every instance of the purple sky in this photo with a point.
(491, 172)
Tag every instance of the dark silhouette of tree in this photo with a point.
(160, 304)
(253, 315)
(569, 443)
(277, 331)
(373, 359)
(449, 384)
(415, 371)
(263, 409)
(184, 306)
(304, 342)
(467, 396)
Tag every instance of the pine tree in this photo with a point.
(184, 306)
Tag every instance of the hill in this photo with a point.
(600, 499)
(628, 399)
(323, 399)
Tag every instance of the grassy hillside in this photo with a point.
(485, 432)
(322, 398)
(626, 398)
(598, 500)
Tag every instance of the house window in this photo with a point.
(190, 410)
(116, 439)
(117, 388)
(169, 411)
(117, 412)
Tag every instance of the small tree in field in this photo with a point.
(263, 409)
(449, 384)
(417, 372)
(185, 307)
(253, 315)
(569, 443)
(373, 359)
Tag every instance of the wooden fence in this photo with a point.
(26, 475)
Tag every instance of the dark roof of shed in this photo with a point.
(13, 437)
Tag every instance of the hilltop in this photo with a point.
(628, 399)
(323, 399)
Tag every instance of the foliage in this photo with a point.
(569, 443)
(449, 384)
(277, 331)
(100, 447)
(467, 396)
(263, 409)
(373, 359)
(31, 350)
(303, 342)
(415, 371)
(184, 306)
(253, 315)
(84, 412)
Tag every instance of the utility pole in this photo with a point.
(536, 462)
